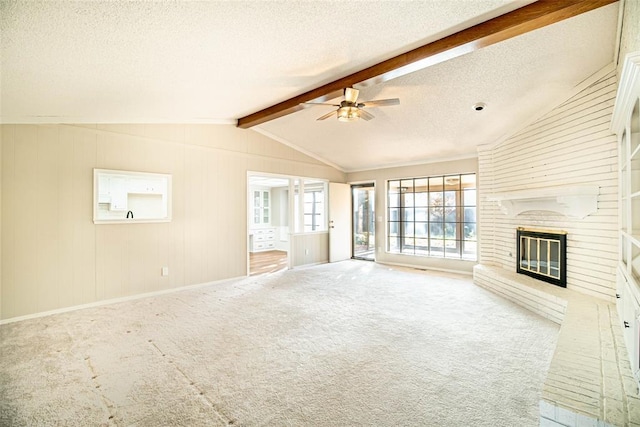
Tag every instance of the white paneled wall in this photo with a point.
(310, 248)
(571, 145)
(53, 256)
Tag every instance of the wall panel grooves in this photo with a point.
(54, 256)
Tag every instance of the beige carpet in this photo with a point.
(346, 344)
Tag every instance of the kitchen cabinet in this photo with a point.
(261, 207)
(262, 239)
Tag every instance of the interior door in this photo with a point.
(339, 222)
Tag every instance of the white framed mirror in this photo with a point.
(130, 197)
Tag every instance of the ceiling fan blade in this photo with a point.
(351, 94)
(326, 116)
(365, 115)
(380, 102)
(320, 103)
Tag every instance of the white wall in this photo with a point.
(55, 257)
(630, 34)
(380, 178)
(280, 216)
(571, 145)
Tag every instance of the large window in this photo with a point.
(433, 216)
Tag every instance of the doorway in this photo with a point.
(364, 221)
(268, 224)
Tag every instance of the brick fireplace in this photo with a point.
(561, 173)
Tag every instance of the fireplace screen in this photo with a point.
(543, 255)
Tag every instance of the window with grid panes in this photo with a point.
(314, 210)
(433, 216)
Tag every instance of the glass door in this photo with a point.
(364, 220)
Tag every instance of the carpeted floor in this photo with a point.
(346, 344)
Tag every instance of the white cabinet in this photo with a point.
(630, 195)
(626, 124)
(262, 239)
(260, 207)
(629, 313)
(144, 186)
(113, 191)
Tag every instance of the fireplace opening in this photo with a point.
(543, 255)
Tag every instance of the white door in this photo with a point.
(339, 222)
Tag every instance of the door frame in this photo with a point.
(364, 184)
(289, 179)
(293, 253)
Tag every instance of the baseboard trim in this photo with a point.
(196, 286)
(113, 301)
(300, 267)
(422, 267)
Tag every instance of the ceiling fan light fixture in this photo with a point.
(348, 114)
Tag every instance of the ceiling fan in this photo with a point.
(350, 109)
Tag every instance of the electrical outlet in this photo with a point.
(306, 251)
(165, 271)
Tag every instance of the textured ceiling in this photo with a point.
(212, 62)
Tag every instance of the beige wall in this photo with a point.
(55, 257)
(310, 248)
(280, 216)
(0, 225)
(571, 145)
(280, 206)
(630, 34)
(380, 178)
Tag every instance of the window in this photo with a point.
(433, 216)
(314, 205)
(313, 210)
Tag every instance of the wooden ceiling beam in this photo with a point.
(520, 21)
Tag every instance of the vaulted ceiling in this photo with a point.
(215, 62)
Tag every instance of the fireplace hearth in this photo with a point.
(542, 254)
